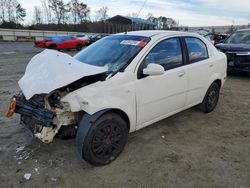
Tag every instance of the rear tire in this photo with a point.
(53, 46)
(211, 98)
(105, 139)
(78, 47)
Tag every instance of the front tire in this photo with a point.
(211, 98)
(105, 139)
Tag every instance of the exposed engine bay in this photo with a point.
(46, 116)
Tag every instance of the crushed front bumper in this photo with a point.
(38, 114)
(44, 124)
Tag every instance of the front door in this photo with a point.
(160, 95)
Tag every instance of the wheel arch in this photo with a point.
(87, 120)
(52, 44)
(217, 81)
(120, 113)
(203, 105)
(215, 78)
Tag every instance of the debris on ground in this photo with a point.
(24, 155)
(27, 176)
(53, 179)
(36, 170)
(20, 148)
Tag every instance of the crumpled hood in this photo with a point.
(50, 70)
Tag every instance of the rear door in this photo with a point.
(74, 42)
(200, 69)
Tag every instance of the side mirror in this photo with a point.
(153, 69)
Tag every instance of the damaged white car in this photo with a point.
(118, 85)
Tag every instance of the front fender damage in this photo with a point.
(84, 125)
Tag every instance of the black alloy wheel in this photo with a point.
(105, 139)
(211, 98)
(78, 47)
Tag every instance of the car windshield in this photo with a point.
(239, 37)
(46, 39)
(114, 52)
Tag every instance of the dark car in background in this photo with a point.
(94, 38)
(216, 38)
(237, 49)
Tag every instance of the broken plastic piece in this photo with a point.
(12, 108)
(27, 176)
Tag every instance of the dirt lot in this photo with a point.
(190, 149)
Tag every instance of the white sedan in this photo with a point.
(118, 85)
(83, 37)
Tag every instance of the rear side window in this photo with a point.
(167, 53)
(66, 38)
(197, 50)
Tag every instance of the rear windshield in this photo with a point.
(239, 37)
(80, 35)
(115, 52)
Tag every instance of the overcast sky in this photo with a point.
(187, 12)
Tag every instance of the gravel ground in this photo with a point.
(190, 149)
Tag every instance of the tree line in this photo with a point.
(73, 15)
(56, 11)
(11, 11)
(163, 22)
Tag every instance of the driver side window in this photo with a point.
(166, 53)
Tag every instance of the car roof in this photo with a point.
(61, 36)
(151, 33)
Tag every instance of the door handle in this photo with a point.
(211, 65)
(181, 74)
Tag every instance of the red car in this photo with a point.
(61, 43)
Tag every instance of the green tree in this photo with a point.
(37, 15)
(59, 9)
(162, 22)
(11, 9)
(84, 11)
(102, 14)
(46, 12)
(3, 4)
(20, 13)
(80, 11)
